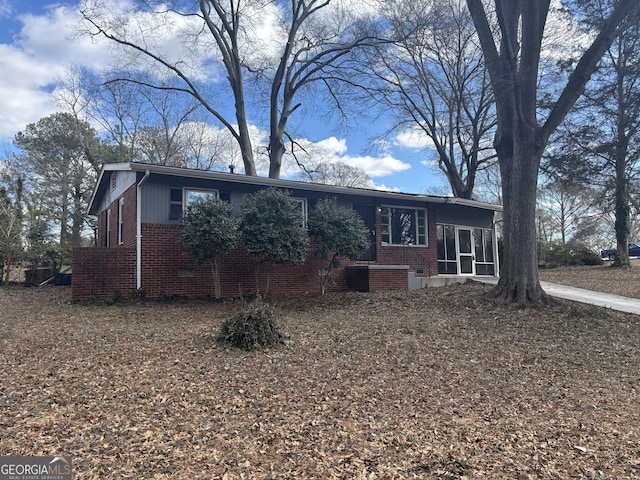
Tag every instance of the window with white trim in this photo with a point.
(107, 237)
(303, 209)
(403, 226)
(192, 194)
(447, 256)
(120, 221)
(181, 197)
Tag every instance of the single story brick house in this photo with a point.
(414, 238)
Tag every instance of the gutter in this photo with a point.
(139, 230)
(314, 187)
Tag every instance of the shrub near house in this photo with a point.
(208, 234)
(338, 232)
(273, 229)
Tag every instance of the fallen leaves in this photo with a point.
(436, 384)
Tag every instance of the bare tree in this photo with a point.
(311, 49)
(336, 173)
(118, 109)
(11, 218)
(434, 81)
(147, 125)
(208, 148)
(512, 55)
(223, 24)
(565, 205)
(317, 52)
(602, 134)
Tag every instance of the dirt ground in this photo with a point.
(433, 384)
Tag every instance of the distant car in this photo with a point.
(634, 251)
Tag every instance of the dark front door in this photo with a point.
(367, 212)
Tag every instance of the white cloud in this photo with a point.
(333, 145)
(414, 139)
(5, 8)
(386, 188)
(24, 98)
(53, 39)
(376, 166)
(333, 149)
(35, 61)
(41, 52)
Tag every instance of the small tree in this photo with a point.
(11, 224)
(208, 234)
(272, 224)
(339, 232)
(40, 246)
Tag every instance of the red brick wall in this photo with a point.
(100, 273)
(129, 215)
(388, 280)
(377, 278)
(167, 271)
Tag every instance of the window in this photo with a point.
(483, 242)
(465, 250)
(191, 195)
(303, 209)
(403, 226)
(181, 197)
(446, 240)
(107, 237)
(175, 204)
(120, 222)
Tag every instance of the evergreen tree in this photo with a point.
(272, 224)
(338, 232)
(60, 161)
(208, 234)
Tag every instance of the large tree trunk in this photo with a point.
(622, 189)
(622, 211)
(520, 142)
(244, 139)
(519, 157)
(276, 152)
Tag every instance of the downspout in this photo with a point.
(496, 250)
(139, 231)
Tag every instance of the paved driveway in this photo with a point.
(615, 302)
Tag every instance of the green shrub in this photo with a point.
(581, 255)
(208, 233)
(339, 232)
(272, 225)
(554, 254)
(254, 327)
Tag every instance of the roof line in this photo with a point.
(293, 184)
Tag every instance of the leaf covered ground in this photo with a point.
(433, 384)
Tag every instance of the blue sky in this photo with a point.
(36, 48)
